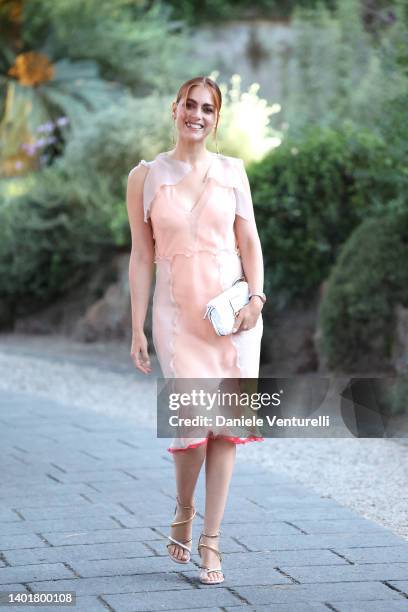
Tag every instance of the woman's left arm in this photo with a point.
(252, 262)
(250, 249)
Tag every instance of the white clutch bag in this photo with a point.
(221, 310)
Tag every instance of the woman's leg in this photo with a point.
(219, 465)
(188, 465)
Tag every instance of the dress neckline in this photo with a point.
(165, 155)
(186, 167)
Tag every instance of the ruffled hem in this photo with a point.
(230, 438)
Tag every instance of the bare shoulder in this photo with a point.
(138, 174)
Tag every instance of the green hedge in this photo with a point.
(370, 277)
(195, 12)
(51, 238)
(308, 196)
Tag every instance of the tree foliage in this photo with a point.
(72, 57)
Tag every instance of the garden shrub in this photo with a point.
(51, 237)
(358, 309)
(117, 138)
(309, 195)
(73, 216)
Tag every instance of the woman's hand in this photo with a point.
(248, 315)
(139, 352)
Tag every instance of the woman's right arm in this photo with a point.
(141, 265)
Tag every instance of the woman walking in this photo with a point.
(190, 213)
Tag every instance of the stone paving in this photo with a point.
(86, 501)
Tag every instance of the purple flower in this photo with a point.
(61, 121)
(30, 148)
(18, 165)
(46, 127)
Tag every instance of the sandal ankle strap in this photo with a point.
(217, 552)
(176, 523)
(179, 503)
(206, 535)
(199, 545)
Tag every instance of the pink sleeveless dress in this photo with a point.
(197, 257)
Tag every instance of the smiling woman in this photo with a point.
(199, 111)
(191, 214)
(208, 108)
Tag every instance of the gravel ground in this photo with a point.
(368, 475)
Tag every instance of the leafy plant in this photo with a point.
(368, 279)
(51, 237)
(223, 10)
(71, 58)
(309, 195)
(245, 130)
(340, 70)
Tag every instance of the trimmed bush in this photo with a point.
(370, 277)
(309, 195)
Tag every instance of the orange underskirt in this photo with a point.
(229, 438)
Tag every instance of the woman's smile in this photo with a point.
(194, 126)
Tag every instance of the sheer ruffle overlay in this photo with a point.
(197, 257)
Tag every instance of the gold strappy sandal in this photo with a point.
(209, 569)
(181, 544)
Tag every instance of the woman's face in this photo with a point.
(196, 118)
